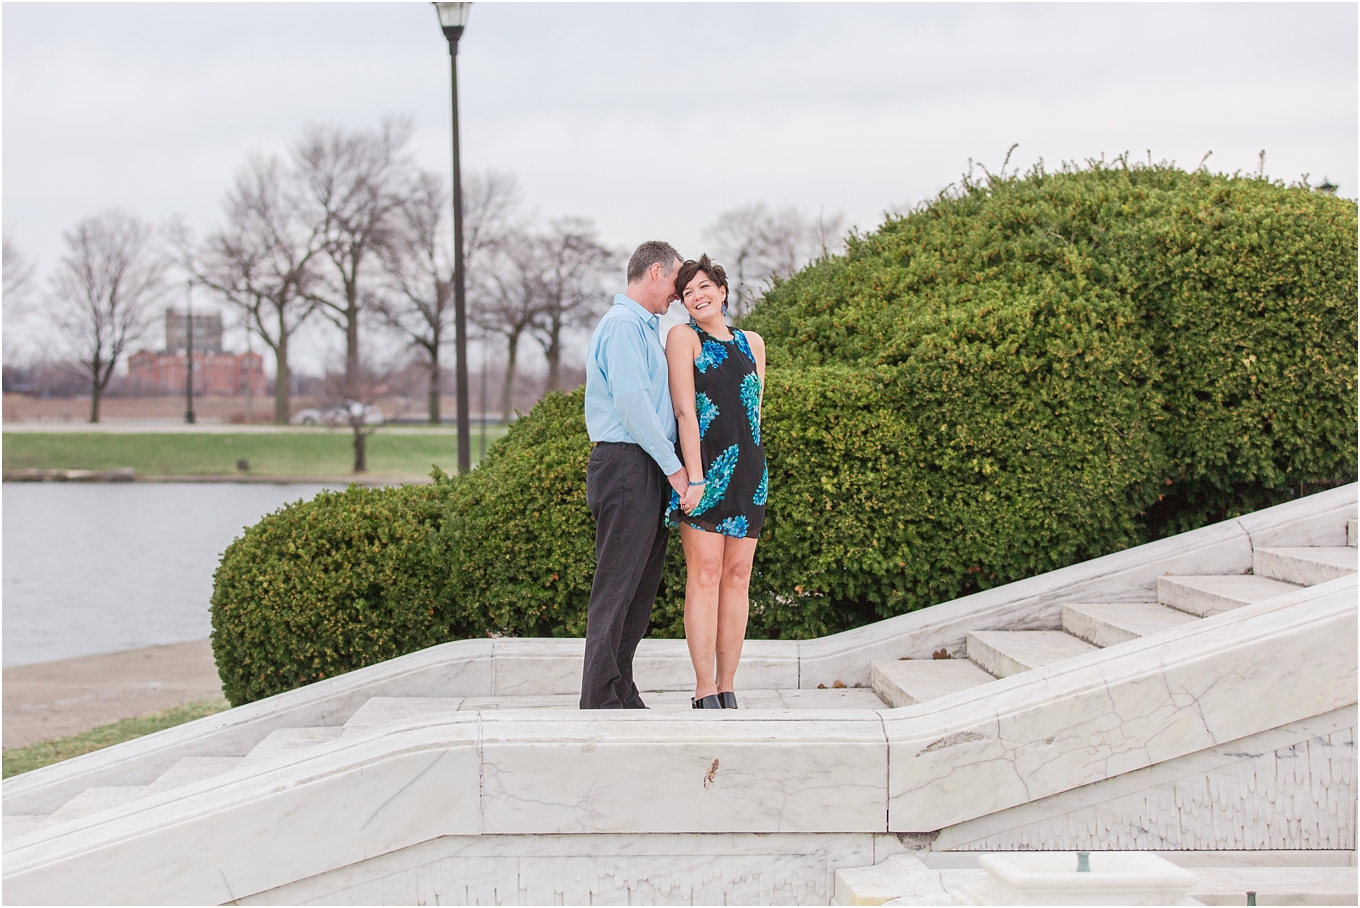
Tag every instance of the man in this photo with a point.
(632, 470)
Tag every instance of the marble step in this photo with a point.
(1351, 531)
(1006, 653)
(190, 770)
(1305, 566)
(283, 741)
(386, 710)
(92, 800)
(16, 825)
(1105, 624)
(1208, 594)
(909, 681)
(680, 701)
(1275, 885)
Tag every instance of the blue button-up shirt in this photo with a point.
(628, 396)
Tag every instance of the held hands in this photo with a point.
(690, 498)
(689, 494)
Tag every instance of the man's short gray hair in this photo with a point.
(652, 252)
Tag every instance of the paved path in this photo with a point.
(55, 699)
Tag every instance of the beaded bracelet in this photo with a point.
(701, 482)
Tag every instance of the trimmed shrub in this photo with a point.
(520, 538)
(323, 587)
(1240, 293)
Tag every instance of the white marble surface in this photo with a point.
(1290, 788)
(1212, 595)
(257, 829)
(1306, 566)
(1114, 878)
(1114, 711)
(1108, 623)
(725, 772)
(657, 869)
(906, 682)
(1006, 653)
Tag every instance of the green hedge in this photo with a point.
(1240, 293)
(1024, 373)
(325, 586)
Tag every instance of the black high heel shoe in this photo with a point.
(729, 699)
(709, 702)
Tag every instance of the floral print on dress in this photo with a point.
(734, 527)
(742, 345)
(762, 490)
(707, 411)
(715, 482)
(666, 519)
(750, 398)
(711, 356)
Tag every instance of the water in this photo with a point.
(97, 568)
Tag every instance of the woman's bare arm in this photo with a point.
(757, 345)
(682, 346)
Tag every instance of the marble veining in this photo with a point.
(596, 869)
(1251, 795)
(1116, 710)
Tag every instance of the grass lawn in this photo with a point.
(330, 454)
(35, 756)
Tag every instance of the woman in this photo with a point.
(717, 378)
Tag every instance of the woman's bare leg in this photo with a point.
(733, 607)
(704, 571)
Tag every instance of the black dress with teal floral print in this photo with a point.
(727, 402)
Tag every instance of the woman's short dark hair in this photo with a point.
(715, 273)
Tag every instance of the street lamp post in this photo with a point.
(453, 19)
(189, 352)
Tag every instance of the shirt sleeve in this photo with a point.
(630, 387)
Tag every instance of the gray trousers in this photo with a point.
(627, 493)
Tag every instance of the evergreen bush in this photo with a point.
(325, 586)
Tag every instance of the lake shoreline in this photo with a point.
(46, 700)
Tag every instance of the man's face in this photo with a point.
(661, 288)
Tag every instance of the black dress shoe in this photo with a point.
(729, 699)
(709, 702)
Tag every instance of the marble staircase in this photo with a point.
(1086, 627)
(1193, 695)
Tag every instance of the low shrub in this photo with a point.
(325, 586)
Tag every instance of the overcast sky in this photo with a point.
(653, 118)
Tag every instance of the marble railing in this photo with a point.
(506, 667)
(520, 772)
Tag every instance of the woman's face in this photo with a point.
(703, 298)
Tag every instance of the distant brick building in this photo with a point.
(215, 372)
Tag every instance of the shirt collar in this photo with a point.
(652, 320)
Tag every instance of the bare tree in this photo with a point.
(756, 245)
(17, 292)
(264, 263)
(355, 397)
(509, 292)
(18, 272)
(105, 287)
(353, 186)
(574, 267)
(416, 295)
